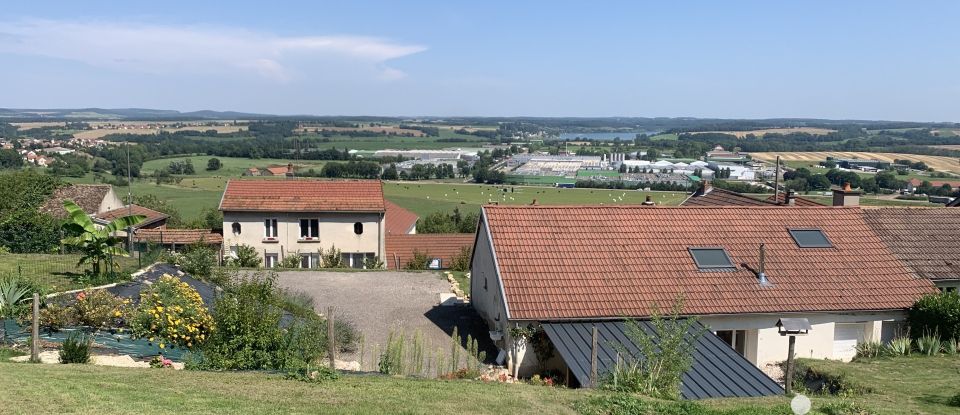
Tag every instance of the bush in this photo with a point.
(172, 313)
(954, 400)
(900, 346)
(869, 350)
(331, 258)
(929, 344)
(76, 348)
(936, 313)
(461, 262)
(373, 262)
(418, 262)
(292, 260)
(247, 257)
(806, 378)
(97, 309)
(198, 261)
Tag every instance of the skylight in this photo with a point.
(810, 238)
(711, 258)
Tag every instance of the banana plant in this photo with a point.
(96, 244)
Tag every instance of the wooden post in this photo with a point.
(788, 378)
(331, 339)
(593, 360)
(35, 344)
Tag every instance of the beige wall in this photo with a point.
(336, 229)
(110, 202)
(765, 344)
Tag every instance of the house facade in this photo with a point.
(303, 218)
(739, 269)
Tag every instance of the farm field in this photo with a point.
(939, 163)
(38, 124)
(387, 129)
(425, 198)
(816, 168)
(100, 133)
(760, 133)
(231, 166)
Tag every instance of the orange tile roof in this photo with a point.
(277, 170)
(398, 220)
(400, 247)
(926, 239)
(152, 215)
(721, 197)
(603, 261)
(179, 236)
(303, 195)
(797, 201)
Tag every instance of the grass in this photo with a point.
(915, 385)
(58, 272)
(6, 353)
(813, 166)
(668, 137)
(425, 198)
(103, 390)
(231, 166)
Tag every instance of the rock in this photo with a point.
(353, 366)
(50, 356)
(117, 361)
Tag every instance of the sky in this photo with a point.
(736, 59)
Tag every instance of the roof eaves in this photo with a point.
(496, 263)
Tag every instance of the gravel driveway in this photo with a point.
(376, 302)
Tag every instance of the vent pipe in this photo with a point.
(649, 201)
(761, 275)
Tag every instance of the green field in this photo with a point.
(813, 167)
(904, 385)
(231, 166)
(424, 198)
(668, 137)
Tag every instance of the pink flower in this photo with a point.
(81, 295)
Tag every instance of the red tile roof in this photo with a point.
(179, 236)
(152, 215)
(303, 195)
(278, 170)
(720, 197)
(926, 239)
(446, 246)
(797, 201)
(398, 220)
(602, 261)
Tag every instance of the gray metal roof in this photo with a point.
(717, 371)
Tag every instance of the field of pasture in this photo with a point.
(939, 163)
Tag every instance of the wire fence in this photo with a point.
(64, 272)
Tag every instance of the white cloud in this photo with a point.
(161, 49)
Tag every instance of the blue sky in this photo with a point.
(739, 59)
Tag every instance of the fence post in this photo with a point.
(331, 339)
(593, 360)
(35, 331)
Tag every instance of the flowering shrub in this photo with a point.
(97, 309)
(160, 362)
(172, 313)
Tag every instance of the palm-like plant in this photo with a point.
(96, 244)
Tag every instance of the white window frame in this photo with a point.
(313, 260)
(270, 231)
(270, 260)
(310, 222)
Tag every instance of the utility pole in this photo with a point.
(776, 183)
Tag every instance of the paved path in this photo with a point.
(377, 302)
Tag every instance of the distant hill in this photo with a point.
(120, 114)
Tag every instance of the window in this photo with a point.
(309, 260)
(309, 228)
(358, 228)
(810, 238)
(270, 260)
(737, 339)
(236, 228)
(270, 228)
(711, 259)
(356, 260)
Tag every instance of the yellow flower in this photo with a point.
(161, 345)
(116, 313)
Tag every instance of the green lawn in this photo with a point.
(424, 198)
(669, 137)
(57, 272)
(906, 385)
(231, 166)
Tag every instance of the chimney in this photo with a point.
(703, 189)
(790, 199)
(845, 196)
(649, 201)
(761, 275)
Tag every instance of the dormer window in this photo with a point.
(712, 259)
(810, 238)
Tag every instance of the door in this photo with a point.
(845, 339)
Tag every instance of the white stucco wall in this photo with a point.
(110, 202)
(765, 344)
(335, 229)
